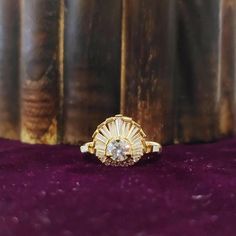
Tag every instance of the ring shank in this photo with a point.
(87, 147)
(153, 147)
(150, 147)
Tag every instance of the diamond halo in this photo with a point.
(119, 141)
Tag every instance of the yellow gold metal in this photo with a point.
(119, 141)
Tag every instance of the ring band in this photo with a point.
(150, 147)
(153, 147)
(120, 141)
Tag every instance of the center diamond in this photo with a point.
(118, 150)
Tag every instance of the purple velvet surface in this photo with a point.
(52, 190)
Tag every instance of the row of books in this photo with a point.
(65, 66)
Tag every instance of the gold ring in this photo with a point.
(119, 141)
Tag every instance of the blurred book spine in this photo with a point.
(148, 53)
(40, 70)
(9, 59)
(92, 66)
(198, 70)
(228, 69)
(67, 65)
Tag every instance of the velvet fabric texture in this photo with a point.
(54, 190)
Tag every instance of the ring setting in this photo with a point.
(119, 141)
